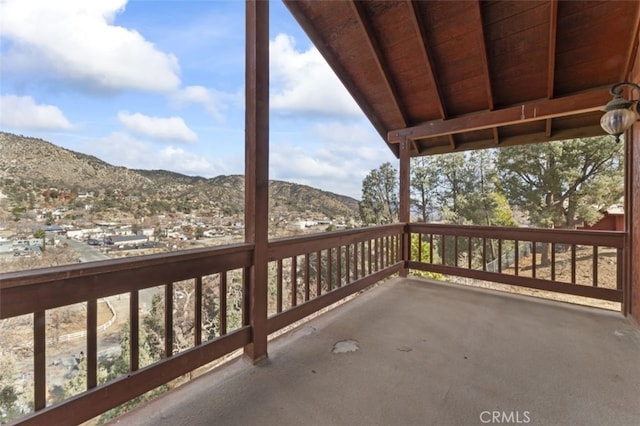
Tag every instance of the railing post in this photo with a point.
(404, 213)
(256, 210)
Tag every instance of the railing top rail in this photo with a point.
(290, 246)
(91, 269)
(544, 235)
(37, 290)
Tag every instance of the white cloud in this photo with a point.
(77, 41)
(22, 112)
(121, 149)
(303, 82)
(170, 129)
(337, 162)
(210, 100)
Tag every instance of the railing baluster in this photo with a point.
(294, 281)
(347, 263)
(369, 256)
(223, 300)
(533, 259)
(455, 251)
(318, 273)
(516, 257)
(430, 248)
(573, 263)
(134, 331)
(355, 261)
(92, 343)
(197, 312)
(595, 266)
(444, 249)
(279, 286)
(307, 278)
(168, 320)
(500, 256)
(553, 261)
(329, 269)
(39, 360)
(484, 254)
(469, 251)
(362, 258)
(387, 251)
(339, 266)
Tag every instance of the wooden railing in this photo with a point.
(524, 257)
(314, 272)
(34, 292)
(306, 274)
(342, 263)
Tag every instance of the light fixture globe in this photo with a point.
(619, 115)
(617, 121)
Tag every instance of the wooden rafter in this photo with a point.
(584, 102)
(430, 73)
(376, 52)
(329, 55)
(482, 48)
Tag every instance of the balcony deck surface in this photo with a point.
(428, 354)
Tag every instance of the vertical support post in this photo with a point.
(404, 213)
(256, 212)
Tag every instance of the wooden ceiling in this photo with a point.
(460, 75)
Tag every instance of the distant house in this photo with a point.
(613, 220)
(127, 240)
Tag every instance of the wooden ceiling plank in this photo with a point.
(316, 38)
(374, 46)
(589, 101)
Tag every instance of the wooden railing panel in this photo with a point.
(522, 244)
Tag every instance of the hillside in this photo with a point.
(36, 172)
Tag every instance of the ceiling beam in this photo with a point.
(539, 137)
(378, 56)
(579, 103)
(308, 26)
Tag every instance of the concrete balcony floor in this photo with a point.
(427, 354)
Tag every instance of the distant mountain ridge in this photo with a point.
(29, 166)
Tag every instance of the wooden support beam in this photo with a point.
(580, 103)
(405, 203)
(256, 220)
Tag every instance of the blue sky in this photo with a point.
(159, 84)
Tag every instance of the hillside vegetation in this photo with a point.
(35, 172)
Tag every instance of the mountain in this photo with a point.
(34, 171)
